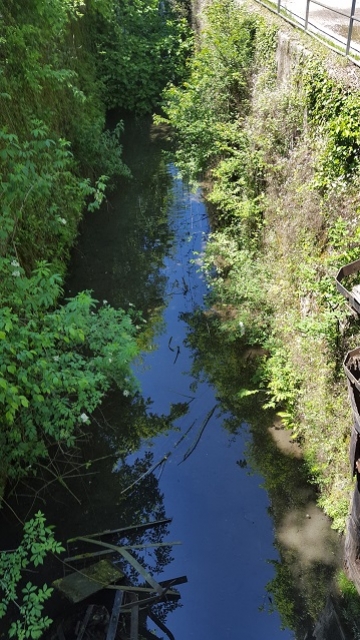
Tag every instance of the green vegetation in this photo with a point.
(350, 605)
(65, 63)
(38, 540)
(144, 46)
(56, 364)
(282, 160)
(279, 149)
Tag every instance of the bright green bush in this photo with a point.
(38, 541)
(143, 47)
(56, 364)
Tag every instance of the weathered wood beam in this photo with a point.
(134, 563)
(115, 615)
(83, 556)
(107, 532)
(134, 620)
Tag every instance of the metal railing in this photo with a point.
(343, 45)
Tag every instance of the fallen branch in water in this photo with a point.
(198, 437)
(154, 466)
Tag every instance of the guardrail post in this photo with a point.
(307, 13)
(279, 5)
(351, 23)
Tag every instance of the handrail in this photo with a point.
(304, 23)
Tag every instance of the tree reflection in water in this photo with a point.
(301, 584)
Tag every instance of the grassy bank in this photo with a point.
(277, 139)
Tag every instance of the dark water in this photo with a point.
(244, 550)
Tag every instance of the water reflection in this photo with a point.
(309, 550)
(124, 266)
(183, 446)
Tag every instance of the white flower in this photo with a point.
(242, 328)
(16, 273)
(84, 417)
(105, 302)
(62, 220)
(131, 304)
(55, 358)
(14, 263)
(126, 393)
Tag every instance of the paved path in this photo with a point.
(327, 22)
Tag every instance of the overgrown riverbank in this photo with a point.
(65, 64)
(278, 139)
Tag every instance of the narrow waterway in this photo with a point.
(145, 251)
(243, 548)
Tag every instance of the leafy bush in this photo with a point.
(56, 364)
(38, 540)
(217, 87)
(142, 48)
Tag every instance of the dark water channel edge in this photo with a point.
(243, 548)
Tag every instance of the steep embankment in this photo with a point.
(271, 118)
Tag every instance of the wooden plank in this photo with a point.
(85, 622)
(107, 532)
(134, 620)
(93, 554)
(115, 615)
(60, 633)
(145, 602)
(125, 587)
(174, 581)
(134, 563)
(161, 625)
(81, 584)
(352, 451)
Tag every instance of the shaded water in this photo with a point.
(143, 249)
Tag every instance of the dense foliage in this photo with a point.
(38, 540)
(56, 364)
(65, 62)
(145, 45)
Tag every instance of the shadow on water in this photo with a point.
(190, 444)
(310, 552)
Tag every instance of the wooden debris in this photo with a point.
(85, 622)
(81, 584)
(198, 437)
(134, 620)
(125, 587)
(115, 614)
(353, 297)
(93, 554)
(161, 625)
(134, 563)
(107, 532)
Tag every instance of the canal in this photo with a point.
(185, 447)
